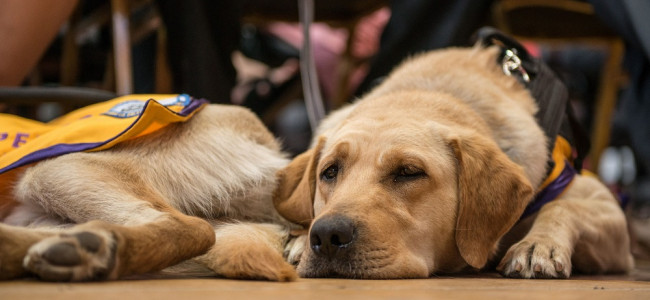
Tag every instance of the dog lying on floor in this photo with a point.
(429, 173)
(152, 202)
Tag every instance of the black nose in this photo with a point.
(331, 236)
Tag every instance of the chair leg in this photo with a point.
(70, 57)
(606, 102)
(122, 47)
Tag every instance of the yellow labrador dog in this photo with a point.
(152, 202)
(430, 173)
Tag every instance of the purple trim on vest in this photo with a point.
(196, 103)
(61, 149)
(623, 199)
(551, 191)
(55, 150)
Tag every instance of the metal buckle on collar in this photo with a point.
(511, 63)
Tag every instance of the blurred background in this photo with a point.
(56, 56)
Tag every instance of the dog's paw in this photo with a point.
(536, 258)
(73, 256)
(253, 263)
(294, 249)
(249, 251)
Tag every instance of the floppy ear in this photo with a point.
(294, 196)
(493, 193)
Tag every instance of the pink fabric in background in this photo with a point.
(328, 44)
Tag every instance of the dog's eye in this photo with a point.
(408, 173)
(330, 173)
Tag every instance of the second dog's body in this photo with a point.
(138, 197)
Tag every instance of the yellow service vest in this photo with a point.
(92, 128)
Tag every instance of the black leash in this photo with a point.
(555, 115)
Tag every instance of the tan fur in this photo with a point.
(471, 131)
(583, 229)
(250, 251)
(484, 172)
(294, 187)
(14, 246)
(145, 204)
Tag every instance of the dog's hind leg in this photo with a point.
(124, 227)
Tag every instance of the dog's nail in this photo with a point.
(537, 268)
(559, 267)
(518, 267)
(63, 254)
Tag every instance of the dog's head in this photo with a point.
(407, 185)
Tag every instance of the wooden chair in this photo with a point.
(124, 32)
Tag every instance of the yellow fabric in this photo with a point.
(99, 126)
(561, 154)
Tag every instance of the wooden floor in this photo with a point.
(487, 286)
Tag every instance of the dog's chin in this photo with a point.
(369, 266)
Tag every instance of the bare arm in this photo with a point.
(27, 27)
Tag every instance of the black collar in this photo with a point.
(554, 114)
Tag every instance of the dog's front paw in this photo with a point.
(249, 251)
(256, 263)
(73, 256)
(294, 248)
(536, 258)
